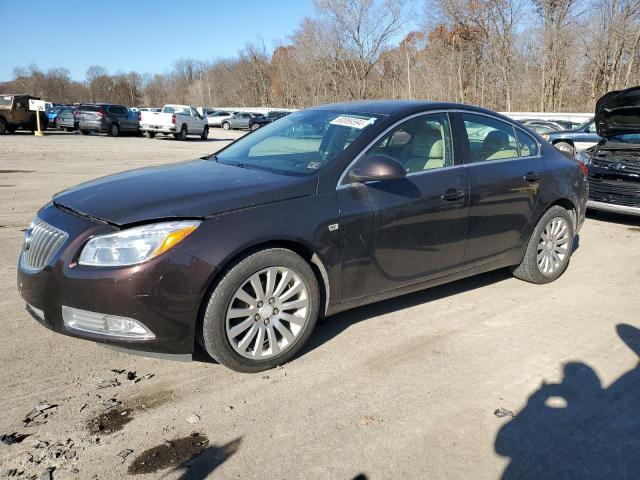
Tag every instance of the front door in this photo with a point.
(401, 232)
(506, 174)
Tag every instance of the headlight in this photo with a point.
(583, 157)
(545, 136)
(135, 245)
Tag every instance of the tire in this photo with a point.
(85, 132)
(533, 268)
(3, 126)
(565, 147)
(205, 133)
(151, 134)
(114, 130)
(254, 127)
(68, 129)
(226, 125)
(183, 133)
(291, 336)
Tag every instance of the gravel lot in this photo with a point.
(416, 387)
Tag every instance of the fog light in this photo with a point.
(103, 324)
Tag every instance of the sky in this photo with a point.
(142, 35)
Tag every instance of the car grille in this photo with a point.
(614, 191)
(42, 241)
(620, 165)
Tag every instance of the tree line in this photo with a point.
(506, 55)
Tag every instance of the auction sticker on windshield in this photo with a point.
(352, 122)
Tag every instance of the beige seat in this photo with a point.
(425, 152)
(496, 146)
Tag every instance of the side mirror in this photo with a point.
(378, 168)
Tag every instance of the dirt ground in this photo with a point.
(456, 382)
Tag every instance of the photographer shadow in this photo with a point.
(577, 429)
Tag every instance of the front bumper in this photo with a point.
(164, 293)
(612, 207)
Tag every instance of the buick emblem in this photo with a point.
(616, 166)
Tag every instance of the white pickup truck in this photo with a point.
(177, 120)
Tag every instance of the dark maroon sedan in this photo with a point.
(323, 210)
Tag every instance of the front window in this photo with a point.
(422, 143)
(300, 143)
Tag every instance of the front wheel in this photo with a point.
(151, 134)
(226, 126)
(183, 134)
(253, 127)
(85, 132)
(205, 133)
(3, 126)
(114, 130)
(549, 248)
(262, 311)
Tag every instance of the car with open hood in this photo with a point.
(614, 163)
(321, 211)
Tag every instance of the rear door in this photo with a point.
(400, 232)
(506, 174)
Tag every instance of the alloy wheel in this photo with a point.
(553, 246)
(267, 313)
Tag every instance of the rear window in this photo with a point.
(89, 108)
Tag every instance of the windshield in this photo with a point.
(584, 124)
(300, 143)
(5, 101)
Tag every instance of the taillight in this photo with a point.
(583, 167)
(101, 113)
(173, 119)
(139, 116)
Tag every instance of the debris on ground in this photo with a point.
(12, 473)
(194, 418)
(11, 438)
(119, 371)
(109, 403)
(111, 382)
(39, 415)
(370, 420)
(83, 407)
(228, 408)
(168, 454)
(124, 454)
(503, 412)
(47, 474)
(144, 377)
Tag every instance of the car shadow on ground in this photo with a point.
(610, 217)
(331, 327)
(577, 429)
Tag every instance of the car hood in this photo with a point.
(618, 113)
(195, 189)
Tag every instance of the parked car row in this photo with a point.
(241, 120)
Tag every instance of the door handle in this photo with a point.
(452, 194)
(532, 177)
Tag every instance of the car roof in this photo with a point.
(395, 107)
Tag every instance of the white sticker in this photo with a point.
(314, 165)
(352, 122)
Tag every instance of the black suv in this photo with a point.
(614, 163)
(107, 118)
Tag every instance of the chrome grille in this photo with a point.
(41, 242)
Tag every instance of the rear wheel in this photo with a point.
(262, 311)
(151, 134)
(205, 133)
(3, 126)
(183, 133)
(565, 147)
(68, 129)
(114, 130)
(226, 125)
(85, 132)
(549, 248)
(254, 126)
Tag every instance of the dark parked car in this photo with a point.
(614, 163)
(68, 118)
(244, 250)
(572, 141)
(15, 114)
(107, 118)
